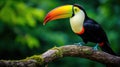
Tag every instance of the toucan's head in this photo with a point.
(66, 11)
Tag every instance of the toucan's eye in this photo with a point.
(75, 9)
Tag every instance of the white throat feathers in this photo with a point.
(77, 21)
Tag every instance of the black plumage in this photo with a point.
(95, 33)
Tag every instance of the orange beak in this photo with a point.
(59, 13)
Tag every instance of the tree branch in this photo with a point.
(63, 51)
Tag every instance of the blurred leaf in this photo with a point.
(38, 14)
(32, 42)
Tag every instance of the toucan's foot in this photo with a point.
(79, 44)
(95, 47)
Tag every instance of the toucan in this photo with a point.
(88, 29)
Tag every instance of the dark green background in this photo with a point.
(22, 33)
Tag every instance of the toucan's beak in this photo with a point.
(58, 13)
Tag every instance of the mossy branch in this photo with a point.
(63, 51)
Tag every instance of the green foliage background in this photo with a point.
(22, 32)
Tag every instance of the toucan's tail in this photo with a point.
(105, 46)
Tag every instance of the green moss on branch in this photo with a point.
(63, 51)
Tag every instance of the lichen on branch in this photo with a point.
(63, 51)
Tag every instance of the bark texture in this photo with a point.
(63, 51)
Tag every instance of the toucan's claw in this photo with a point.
(95, 47)
(79, 44)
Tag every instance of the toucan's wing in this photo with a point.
(96, 34)
(95, 30)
